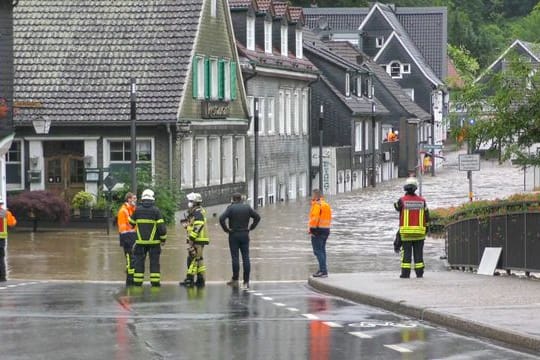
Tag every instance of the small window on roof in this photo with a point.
(395, 69)
(406, 68)
(379, 41)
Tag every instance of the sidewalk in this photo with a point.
(500, 308)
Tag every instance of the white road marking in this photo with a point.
(22, 284)
(398, 348)
(3, 287)
(267, 298)
(279, 304)
(332, 324)
(251, 291)
(361, 335)
(259, 294)
(311, 316)
(292, 309)
(11, 286)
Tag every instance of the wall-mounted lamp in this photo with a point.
(34, 160)
(88, 160)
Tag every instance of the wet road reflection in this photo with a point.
(361, 240)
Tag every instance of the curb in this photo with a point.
(509, 337)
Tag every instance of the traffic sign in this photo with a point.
(469, 162)
(432, 146)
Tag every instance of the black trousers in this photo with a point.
(412, 248)
(3, 259)
(239, 241)
(127, 241)
(139, 255)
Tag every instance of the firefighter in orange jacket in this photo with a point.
(127, 233)
(413, 219)
(320, 217)
(6, 219)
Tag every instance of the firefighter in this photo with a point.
(151, 235)
(127, 233)
(197, 238)
(413, 219)
(6, 219)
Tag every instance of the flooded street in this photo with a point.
(361, 239)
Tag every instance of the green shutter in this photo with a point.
(233, 80)
(195, 77)
(221, 79)
(208, 80)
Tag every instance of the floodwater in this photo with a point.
(361, 240)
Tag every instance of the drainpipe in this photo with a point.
(169, 132)
(310, 133)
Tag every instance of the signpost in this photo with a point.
(469, 163)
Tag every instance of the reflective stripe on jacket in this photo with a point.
(320, 215)
(412, 218)
(122, 220)
(196, 229)
(6, 219)
(149, 224)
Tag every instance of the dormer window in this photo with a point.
(299, 44)
(359, 86)
(250, 33)
(284, 40)
(268, 37)
(396, 69)
(379, 41)
(406, 68)
(347, 84)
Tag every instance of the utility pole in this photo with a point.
(433, 94)
(321, 118)
(256, 153)
(133, 136)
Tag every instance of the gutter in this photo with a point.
(169, 132)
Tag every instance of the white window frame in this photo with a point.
(288, 113)
(281, 112)
(186, 176)
(394, 65)
(358, 127)
(296, 120)
(250, 33)
(271, 195)
(302, 184)
(261, 192)
(379, 42)
(107, 154)
(365, 131)
(214, 159)
(200, 147)
(214, 76)
(347, 84)
(239, 159)
(20, 163)
(268, 37)
(213, 8)
(410, 92)
(305, 112)
(284, 40)
(227, 156)
(377, 135)
(251, 109)
(262, 115)
(292, 187)
(227, 80)
(299, 44)
(201, 77)
(405, 68)
(359, 86)
(270, 118)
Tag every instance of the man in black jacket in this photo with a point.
(238, 228)
(151, 235)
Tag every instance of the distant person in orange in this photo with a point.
(127, 233)
(427, 163)
(320, 217)
(392, 136)
(6, 219)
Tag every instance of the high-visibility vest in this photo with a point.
(152, 240)
(412, 220)
(320, 215)
(6, 219)
(123, 218)
(196, 229)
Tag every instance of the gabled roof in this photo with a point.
(531, 48)
(351, 53)
(264, 5)
(297, 14)
(280, 8)
(239, 4)
(313, 44)
(415, 56)
(77, 58)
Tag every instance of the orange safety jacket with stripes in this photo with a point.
(413, 217)
(6, 219)
(320, 215)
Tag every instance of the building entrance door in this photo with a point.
(64, 175)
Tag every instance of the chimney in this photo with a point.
(314, 4)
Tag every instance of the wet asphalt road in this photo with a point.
(69, 320)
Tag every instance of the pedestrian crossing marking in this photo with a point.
(292, 309)
(332, 324)
(311, 316)
(267, 298)
(11, 286)
(258, 294)
(279, 304)
(361, 335)
(3, 287)
(398, 348)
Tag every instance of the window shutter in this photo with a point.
(208, 80)
(221, 79)
(233, 80)
(194, 77)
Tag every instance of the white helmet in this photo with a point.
(148, 195)
(194, 197)
(411, 183)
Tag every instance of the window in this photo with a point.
(200, 78)
(261, 192)
(305, 112)
(296, 119)
(14, 168)
(406, 68)
(379, 41)
(377, 135)
(262, 116)
(409, 92)
(347, 84)
(359, 86)
(120, 155)
(200, 162)
(214, 79)
(213, 8)
(271, 190)
(251, 108)
(187, 163)
(395, 70)
(281, 112)
(226, 80)
(284, 41)
(214, 161)
(299, 44)
(270, 122)
(365, 131)
(302, 184)
(227, 159)
(367, 89)
(292, 186)
(239, 160)
(358, 136)
(250, 33)
(288, 120)
(268, 37)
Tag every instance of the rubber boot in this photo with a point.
(129, 280)
(200, 281)
(188, 281)
(419, 273)
(405, 273)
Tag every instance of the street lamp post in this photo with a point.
(133, 136)
(321, 118)
(256, 153)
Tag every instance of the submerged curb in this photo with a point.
(512, 338)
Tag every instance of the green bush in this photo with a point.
(82, 199)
